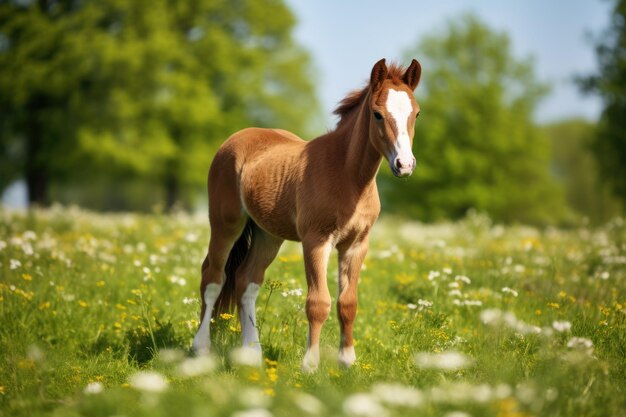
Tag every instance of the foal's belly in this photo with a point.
(269, 199)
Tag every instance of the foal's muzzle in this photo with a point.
(402, 166)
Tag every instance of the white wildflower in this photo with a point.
(363, 405)
(200, 365)
(511, 291)
(411, 306)
(297, 292)
(175, 279)
(246, 356)
(561, 326)
(455, 293)
(447, 361)
(519, 268)
(457, 414)
(191, 237)
(398, 395)
(433, 274)
(253, 412)
(579, 343)
(463, 278)
(447, 271)
(94, 388)
(254, 398)
(3, 244)
(14, 264)
(188, 300)
(308, 403)
(29, 235)
(148, 381)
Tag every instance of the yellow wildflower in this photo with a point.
(226, 316)
(27, 277)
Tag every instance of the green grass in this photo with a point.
(91, 300)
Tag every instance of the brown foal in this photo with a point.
(268, 185)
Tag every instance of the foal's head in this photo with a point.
(393, 113)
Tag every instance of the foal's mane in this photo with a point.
(354, 99)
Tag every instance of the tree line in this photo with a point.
(121, 105)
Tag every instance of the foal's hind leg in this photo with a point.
(249, 278)
(223, 237)
(350, 261)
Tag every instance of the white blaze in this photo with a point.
(400, 108)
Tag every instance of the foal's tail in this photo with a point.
(226, 301)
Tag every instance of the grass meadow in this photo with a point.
(455, 319)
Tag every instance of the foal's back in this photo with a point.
(257, 171)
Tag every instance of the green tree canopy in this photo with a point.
(610, 83)
(475, 142)
(142, 88)
(574, 166)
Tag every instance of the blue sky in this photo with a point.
(346, 38)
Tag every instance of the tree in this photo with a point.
(574, 166)
(142, 88)
(475, 141)
(610, 83)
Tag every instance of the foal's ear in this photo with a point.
(412, 75)
(379, 74)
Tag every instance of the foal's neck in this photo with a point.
(362, 159)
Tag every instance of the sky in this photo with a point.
(346, 38)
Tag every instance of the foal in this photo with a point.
(268, 185)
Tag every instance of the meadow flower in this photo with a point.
(188, 300)
(297, 292)
(561, 326)
(14, 264)
(3, 244)
(424, 303)
(411, 306)
(446, 361)
(148, 381)
(508, 290)
(253, 412)
(447, 271)
(94, 388)
(398, 395)
(463, 278)
(457, 414)
(308, 403)
(254, 398)
(461, 392)
(246, 356)
(174, 279)
(363, 404)
(433, 274)
(581, 343)
(455, 293)
(200, 365)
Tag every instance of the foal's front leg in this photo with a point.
(350, 261)
(316, 252)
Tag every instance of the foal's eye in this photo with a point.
(378, 116)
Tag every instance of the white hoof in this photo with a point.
(347, 357)
(311, 360)
(201, 346)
